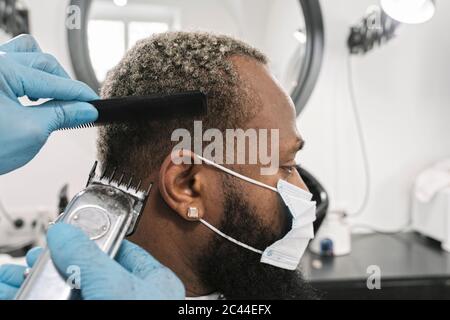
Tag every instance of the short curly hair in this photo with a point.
(172, 62)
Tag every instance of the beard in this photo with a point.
(236, 272)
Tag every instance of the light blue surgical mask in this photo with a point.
(286, 252)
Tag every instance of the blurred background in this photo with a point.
(374, 108)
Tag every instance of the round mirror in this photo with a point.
(289, 32)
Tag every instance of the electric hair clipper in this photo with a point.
(107, 210)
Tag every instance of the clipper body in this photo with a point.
(107, 210)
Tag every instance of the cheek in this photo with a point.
(213, 201)
(269, 209)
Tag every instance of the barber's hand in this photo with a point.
(135, 275)
(26, 71)
(12, 276)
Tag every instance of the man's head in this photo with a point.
(241, 93)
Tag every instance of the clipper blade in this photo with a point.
(111, 178)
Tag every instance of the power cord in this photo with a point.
(367, 190)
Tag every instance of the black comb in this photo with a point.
(152, 107)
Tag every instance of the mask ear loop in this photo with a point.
(238, 175)
(217, 231)
(223, 235)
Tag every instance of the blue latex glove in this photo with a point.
(135, 275)
(11, 276)
(26, 70)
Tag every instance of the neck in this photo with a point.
(170, 245)
(178, 259)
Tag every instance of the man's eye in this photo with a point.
(289, 169)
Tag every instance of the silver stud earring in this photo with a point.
(192, 213)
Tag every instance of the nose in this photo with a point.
(298, 181)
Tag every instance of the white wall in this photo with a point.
(37, 184)
(403, 95)
(402, 90)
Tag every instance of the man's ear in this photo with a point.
(181, 184)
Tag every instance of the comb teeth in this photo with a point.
(81, 126)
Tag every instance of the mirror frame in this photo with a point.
(82, 65)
